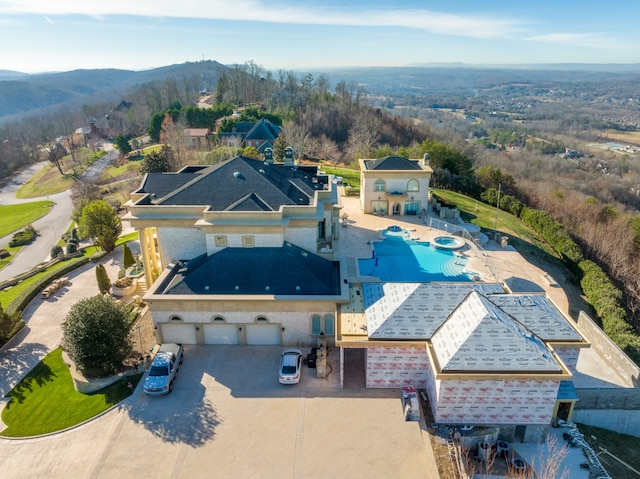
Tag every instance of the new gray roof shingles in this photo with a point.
(480, 337)
(414, 310)
(537, 313)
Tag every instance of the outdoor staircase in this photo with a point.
(141, 287)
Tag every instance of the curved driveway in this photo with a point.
(51, 226)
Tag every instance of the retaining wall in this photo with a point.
(609, 352)
(616, 409)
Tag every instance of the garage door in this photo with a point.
(179, 333)
(220, 334)
(262, 334)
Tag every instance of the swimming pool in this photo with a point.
(414, 261)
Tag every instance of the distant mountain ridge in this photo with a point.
(22, 93)
(587, 67)
(11, 74)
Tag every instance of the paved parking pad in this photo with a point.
(229, 417)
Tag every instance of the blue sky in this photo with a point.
(60, 35)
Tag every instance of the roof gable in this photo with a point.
(263, 130)
(414, 310)
(479, 337)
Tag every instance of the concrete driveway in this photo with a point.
(229, 417)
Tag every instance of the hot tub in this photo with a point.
(448, 242)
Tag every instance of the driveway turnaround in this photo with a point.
(228, 417)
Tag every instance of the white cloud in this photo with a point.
(592, 40)
(285, 12)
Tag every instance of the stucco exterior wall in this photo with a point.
(180, 243)
(236, 241)
(395, 182)
(297, 323)
(305, 238)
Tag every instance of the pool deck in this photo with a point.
(492, 262)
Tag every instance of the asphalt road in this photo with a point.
(51, 226)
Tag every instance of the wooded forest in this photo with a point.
(542, 137)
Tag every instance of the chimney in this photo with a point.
(268, 155)
(425, 159)
(288, 157)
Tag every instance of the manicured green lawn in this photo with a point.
(349, 176)
(483, 215)
(13, 251)
(115, 171)
(45, 400)
(15, 217)
(47, 181)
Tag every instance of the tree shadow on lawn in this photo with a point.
(184, 416)
(21, 360)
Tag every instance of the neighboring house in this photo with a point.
(260, 134)
(243, 251)
(97, 129)
(197, 138)
(394, 185)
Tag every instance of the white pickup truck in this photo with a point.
(163, 369)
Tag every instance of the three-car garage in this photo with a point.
(225, 333)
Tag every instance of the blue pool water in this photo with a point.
(413, 261)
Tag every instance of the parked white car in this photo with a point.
(290, 366)
(163, 369)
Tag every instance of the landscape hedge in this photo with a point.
(606, 299)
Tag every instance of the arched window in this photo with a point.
(261, 319)
(219, 319)
(322, 325)
(329, 323)
(175, 319)
(413, 185)
(379, 185)
(316, 324)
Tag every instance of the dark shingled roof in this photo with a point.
(392, 163)
(263, 130)
(288, 270)
(238, 184)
